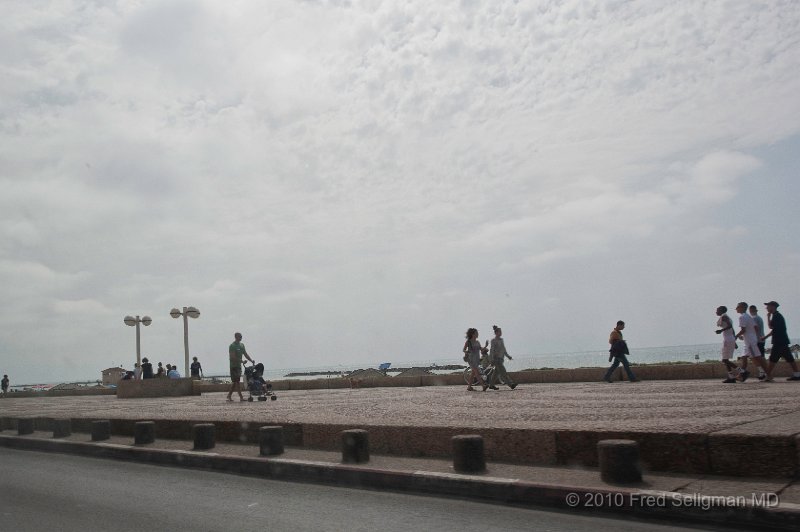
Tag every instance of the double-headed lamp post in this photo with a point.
(191, 312)
(130, 320)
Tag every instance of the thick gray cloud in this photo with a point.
(354, 182)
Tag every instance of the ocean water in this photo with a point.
(599, 358)
(646, 355)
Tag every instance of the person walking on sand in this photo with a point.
(747, 333)
(472, 356)
(619, 350)
(235, 353)
(497, 354)
(725, 328)
(780, 342)
(4, 384)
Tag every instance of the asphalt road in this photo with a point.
(41, 491)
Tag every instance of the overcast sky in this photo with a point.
(359, 182)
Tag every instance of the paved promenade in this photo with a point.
(697, 406)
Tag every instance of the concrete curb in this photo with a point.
(613, 500)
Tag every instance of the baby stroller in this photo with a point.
(256, 384)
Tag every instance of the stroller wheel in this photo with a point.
(249, 399)
(274, 397)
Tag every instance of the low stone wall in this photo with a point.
(665, 372)
(64, 393)
(679, 452)
(539, 376)
(156, 388)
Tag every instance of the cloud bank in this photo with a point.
(354, 182)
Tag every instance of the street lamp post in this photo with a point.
(131, 321)
(191, 312)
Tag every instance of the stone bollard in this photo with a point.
(62, 428)
(468, 454)
(203, 436)
(619, 461)
(144, 432)
(25, 425)
(270, 440)
(101, 430)
(355, 446)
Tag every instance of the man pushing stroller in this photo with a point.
(255, 381)
(235, 353)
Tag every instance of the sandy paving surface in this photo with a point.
(660, 406)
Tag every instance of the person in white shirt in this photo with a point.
(725, 328)
(137, 371)
(747, 333)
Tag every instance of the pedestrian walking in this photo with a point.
(235, 353)
(619, 351)
(725, 328)
(4, 385)
(472, 356)
(747, 333)
(497, 356)
(780, 342)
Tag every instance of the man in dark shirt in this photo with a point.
(5, 385)
(147, 369)
(780, 342)
(196, 369)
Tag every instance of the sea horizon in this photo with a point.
(687, 353)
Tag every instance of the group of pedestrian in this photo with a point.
(145, 370)
(493, 354)
(753, 336)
